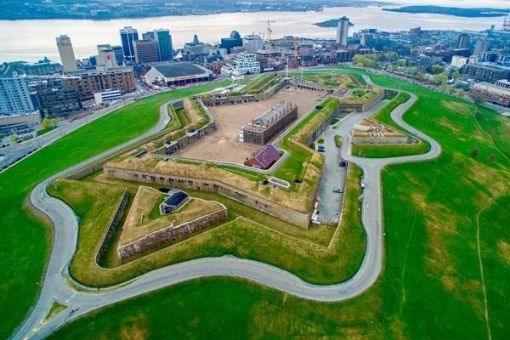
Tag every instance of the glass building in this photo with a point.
(127, 36)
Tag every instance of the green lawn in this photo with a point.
(388, 150)
(343, 77)
(261, 83)
(25, 242)
(332, 80)
(431, 287)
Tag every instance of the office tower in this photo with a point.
(415, 32)
(119, 54)
(15, 96)
(148, 35)
(65, 50)
(146, 51)
(128, 35)
(55, 97)
(252, 43)
(164, 41)
(342, 31)
(105, 57)
(482, 45)
(463, 40)
(234, 40)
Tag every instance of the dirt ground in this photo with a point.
(224, 146)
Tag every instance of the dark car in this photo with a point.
(343, 164)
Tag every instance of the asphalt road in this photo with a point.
(81, 300)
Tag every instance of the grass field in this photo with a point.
(321, 254)
(388, 150)
(446, 223)
(25, 242)
(338, 77)
(331, 80)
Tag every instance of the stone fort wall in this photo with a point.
(169, 234)
(301, 219)
(117, 217)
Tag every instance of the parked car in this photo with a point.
(338, 191)
(343, 164)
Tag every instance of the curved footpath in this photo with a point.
(58, 288)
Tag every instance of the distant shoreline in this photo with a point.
(318, 7)
(482, 12)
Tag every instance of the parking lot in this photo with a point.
(332, 183)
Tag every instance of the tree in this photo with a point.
(47, 123)
(14, 138)
(390, 56)
(442, 79)
(455, 75)
(437, 69)
(368, 60)
(401, 63)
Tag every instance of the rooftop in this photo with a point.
(176, 198)
(267, 156)
(270, 116)
(172, 70)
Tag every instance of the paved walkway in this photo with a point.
(56, 285)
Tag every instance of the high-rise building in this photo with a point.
(55, 97)
(119, 54)
(164, 42)
(88, 82)
(105, 57)
(482, 45)
(234, 40)
(15, 98)
(148, 35)
(342, 31)
(252, 43)
(463, 40)
(65, 50)
(128, 35)
(146, 51)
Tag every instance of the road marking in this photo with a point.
(72, 296)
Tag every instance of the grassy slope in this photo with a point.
(308, 253)
(24, 243)
(431, 286)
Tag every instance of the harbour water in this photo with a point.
(32, 39)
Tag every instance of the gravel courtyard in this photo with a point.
(223, 145)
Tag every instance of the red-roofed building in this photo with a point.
(264, 158)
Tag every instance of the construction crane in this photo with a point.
(269, 32)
